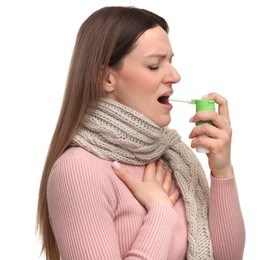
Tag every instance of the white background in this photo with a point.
(231, 47)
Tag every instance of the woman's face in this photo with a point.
(144, 81)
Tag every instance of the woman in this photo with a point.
(117, 182)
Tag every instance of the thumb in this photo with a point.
(124, 174)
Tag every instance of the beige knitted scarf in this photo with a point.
(116, 132)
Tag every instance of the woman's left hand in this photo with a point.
(216, 138)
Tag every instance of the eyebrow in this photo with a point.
(162, 56)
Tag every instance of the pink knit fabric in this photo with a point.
(94, 215)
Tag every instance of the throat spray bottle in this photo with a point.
(201, 105)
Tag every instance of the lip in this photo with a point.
(167, 105)
(167, 93)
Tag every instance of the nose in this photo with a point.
(172, 76)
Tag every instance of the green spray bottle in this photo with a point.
(201, 105)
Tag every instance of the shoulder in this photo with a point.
(78, 161)
(77, 170)
(77, 153)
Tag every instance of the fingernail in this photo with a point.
(116, 166)
(204, 97)
(191, 119)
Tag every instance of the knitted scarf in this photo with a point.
(116, 132)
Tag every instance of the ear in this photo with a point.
(108, 83)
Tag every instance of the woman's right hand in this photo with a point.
(155, 186)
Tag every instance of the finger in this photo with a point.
(213, 145)
(160, 171)
(210, 131)
(167, 182)
(222, 103)
(150, 171)
(175, 195)
(124, 175)
(212, 116)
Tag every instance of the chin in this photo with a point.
(163, 122)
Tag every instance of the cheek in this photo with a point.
(137, 83)
(138, 80)
(127, 78)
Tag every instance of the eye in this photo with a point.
(154, 67)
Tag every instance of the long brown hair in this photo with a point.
(104, 38)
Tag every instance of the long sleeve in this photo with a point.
(225, 220)
(91, 220)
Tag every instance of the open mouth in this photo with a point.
(163, 100)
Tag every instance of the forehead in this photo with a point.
(154, 41)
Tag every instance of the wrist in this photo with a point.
(224, 173)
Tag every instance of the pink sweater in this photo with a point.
(95, 216)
